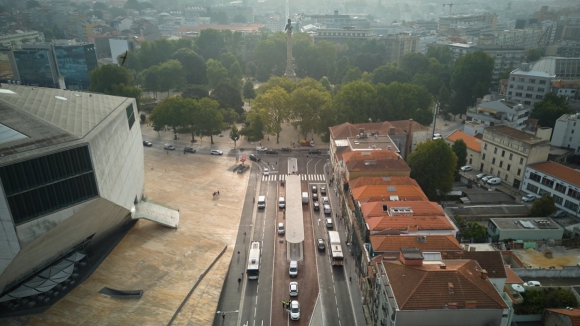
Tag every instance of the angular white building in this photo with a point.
(71, 172)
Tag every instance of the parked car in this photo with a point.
(316, 206)
(294, 310)
(321, 244)
(481, 175)
(286, 149)
(532, 283)
(147, 143)
(254, 157)
(326, 209)
(169, 147)
(281, 228)
(436, 135)
(323, 190)
(243, 168)
(315, 197)
(216, 152)
(271, 151)
(189, 149)
(466, 168)
(314, 189)
(325, 200)
(315, 151)
(266, 171)
(487, 177)
(293, 289)
(529, 198)
(261, 149)
(494, 181)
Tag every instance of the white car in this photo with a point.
(487, 177)
(326, 209)
(436, 136)
(466, 168)
(266, 171)
(325, 200)
(294, 310)
(529, 198)
(293, 289)
(532, 283)
(480, 176)
(494, 181)
(216, 152)
(281, 202)
(281, 229)
(169, 147)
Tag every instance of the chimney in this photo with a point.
(443, 266)
(385, 208)
(483, 274)
(470, 304)
(450, 287)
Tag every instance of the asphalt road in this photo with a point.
(259, 302)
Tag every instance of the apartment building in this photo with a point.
(338, 36)
(482, 21)
(14, 41)
(398, 45)
(564, 68)
(506, 152)
(505, 58)
(501, 112)
(473, 146)
(556, 180)
(565, 134)
(528, 86)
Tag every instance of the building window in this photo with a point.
(484, 146)
(572, 131)
(495, 150)
(511, 156)
(520, 87)
(570, 205)
(130, 115)
(521, 79)
(539, 97)
(502, 153)
(547, 182)
(511, 86)
(560, 188)
(557, 199)
(540, 89)
(493, 160)
(500, 164)
(519, 172)
(527, 102)
(532, 188)
(528, 95)
(573, 193)
(530, 88)
(509, 166)
(519, 94)
(521, 160)
(49, 183)
(513, 78)
(535, 177)
(542, 82)
(491, 171)
(483, 156)
(533, 81)
(510, 93)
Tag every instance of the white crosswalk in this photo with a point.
(303, 177)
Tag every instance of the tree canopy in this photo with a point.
(471, 79)
(433, 166)
(543, 207)
(548, 110)
(460, 149)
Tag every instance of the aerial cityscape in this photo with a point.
(256, 162)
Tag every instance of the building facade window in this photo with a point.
(560, 188)
(573, 193)
(484, 146)
(519, 172)
(542, 82)
(483, 156)
(521, 160)
(532, 188)
(530, 88)
(130, 115)
(557, 199)
(495, 150)
(500, 164)
(509, 166)
(518, 93)
(535, 177)
(511, 155)
(493, 160)
(570, 205)
(532, 81)
(547, 182)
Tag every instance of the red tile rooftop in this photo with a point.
(408, 223)
(472, 142)
(384, 181)
(420, 208)
(382, 243)
(404, 192)
(559, 171)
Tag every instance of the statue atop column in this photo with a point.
(289, 62)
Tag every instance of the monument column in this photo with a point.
(289, 62)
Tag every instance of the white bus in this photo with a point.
(254, 260)
(335, 248)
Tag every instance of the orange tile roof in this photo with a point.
(382, 243)
(472, 142)
(491, 261)
(512, 277)
(403, 191)
(385, 181)
(420, 208)
(573, 314)
(559, 171)
(427, 286)
(404, 124)
(408, 223)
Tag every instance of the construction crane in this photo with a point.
(450, 5)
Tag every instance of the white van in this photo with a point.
(281, 202)
(329, 223)
(304, 198)
(262, 202)
(293, 270)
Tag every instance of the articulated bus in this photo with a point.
(254, 260)
(335, 248)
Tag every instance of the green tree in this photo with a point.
(399, 101)
(342, 67)
(150, 79)
(273, 106)
(560, 298)
(210, 43)
(228, 96)
(305, 106)
(389, 73)
(353, 74)
(471, 229)
(433, 167)
(132, 4)
(355, 102)
(414, 63)
(48, 34)
(98, 14)
(103, 77)
(534, 55)
(32, 4)
(429, 81)
(190, 113)
(460, 149)
(326, 83)
(441, 54)
(444, 100)
(215, 73)
(171, 76)
(126, 91)
(169, 113)
(543, 207)
(270, 56)
(194, 66)
(195, 92)
(548, 110)
(471, 79)
(282, 82)
(255, 130)
(249, 92)
(234, 134)
(210, 120)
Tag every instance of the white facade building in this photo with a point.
(528, 86)
(565, 134)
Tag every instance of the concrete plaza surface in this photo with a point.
(165, 263)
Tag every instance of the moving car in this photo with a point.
(271, 151)
(326, 209)
(261, 149)
(286, 149)
(325, 200)
(294, 310)
(329, 224)
(189, 149)
(321, 244)
(293, 270)
(323, 190)
(494, 181)
(466, 168)
(266, 171)
(169, 147)
(315, 151)
(254, 157)
(532, 283)
(481, 175)
(315, 197)
(216, 152)
(147, 143)
(243, 168)
(316, 206)
(314, 189)
(293, 289)
(529, 198)
(281, 228)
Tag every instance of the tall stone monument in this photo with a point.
(289, 62)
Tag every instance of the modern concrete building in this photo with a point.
(528, 86)
(71, 173)
(533, 228)
(337, 21)
(398, 45)
(565, 134)
(501, 112)
(462, 21)
(473, 146)
(562, 68)
(338, 36)
(566, 49)
(570, 89)
(555, 180)
(14, 41)
(506, 152)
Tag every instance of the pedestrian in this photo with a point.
(244, 234)
(238, 252)
(283, 304)
(223, 315)
(239, 280)
(218, 192)
(350, 279)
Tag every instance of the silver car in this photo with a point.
(293, 289)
